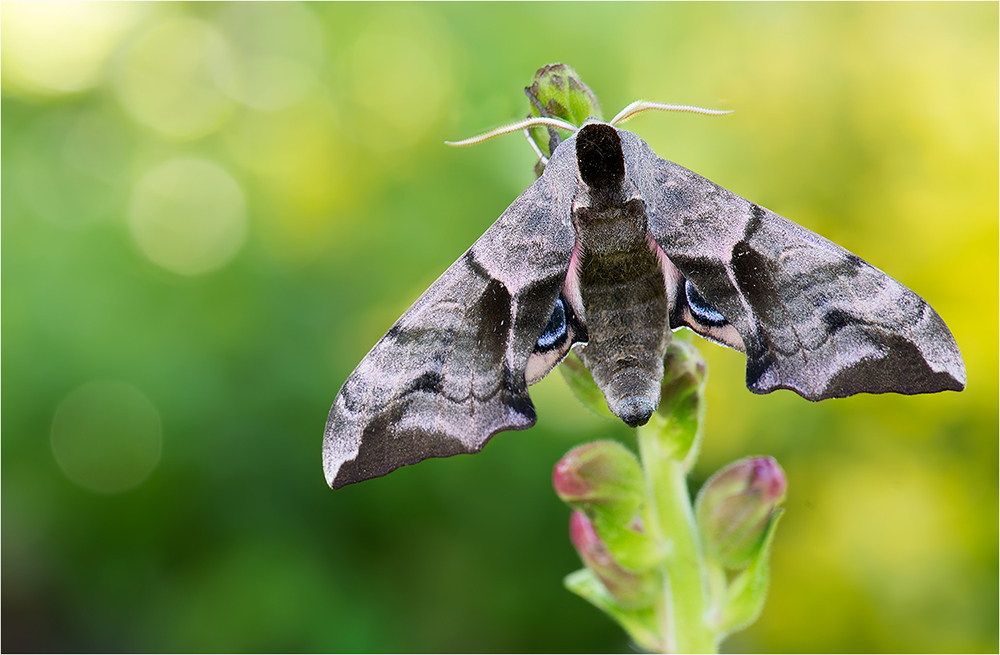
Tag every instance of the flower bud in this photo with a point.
(603, 473)
(630, 589)
(604, 480)
(735, 507)
(678, 419)
(558, 92)
(684, 370)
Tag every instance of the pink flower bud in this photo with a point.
(603, 473)
(603, 479)
(630, 589)
(735, 507)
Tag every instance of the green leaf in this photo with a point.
(582, 384)
(640, 624)
(748, 590)
(630, 547)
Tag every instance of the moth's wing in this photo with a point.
(451, 372)
(810, 316)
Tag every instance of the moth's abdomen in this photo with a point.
(626, 310)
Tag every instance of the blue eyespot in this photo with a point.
(700, 309)
(555, 329)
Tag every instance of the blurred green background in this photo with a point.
(212, 211)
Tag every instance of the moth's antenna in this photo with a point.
(642, 106)
(514, 127)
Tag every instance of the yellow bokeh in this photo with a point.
(53, 49)
(175, 78)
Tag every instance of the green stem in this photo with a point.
(670, 522)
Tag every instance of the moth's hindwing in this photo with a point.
(561, 332)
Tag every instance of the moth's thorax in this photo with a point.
(607, 212)
(609, 229)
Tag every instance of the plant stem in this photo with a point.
(670, 521)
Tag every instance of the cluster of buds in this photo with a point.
(603, 483)
(638, 536)
(736, 513)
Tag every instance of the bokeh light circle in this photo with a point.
(106, 436)
(175, 78)
(280, 50)
(188, 216)
(51, 48)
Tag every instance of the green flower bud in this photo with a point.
(684, 374)
(678, 419)
(735, 508)
(558, 92)
(630, 589)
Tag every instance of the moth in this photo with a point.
(612, 248)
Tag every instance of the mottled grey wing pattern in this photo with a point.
(451, 372)
(813, 317)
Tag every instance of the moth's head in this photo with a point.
(599, 156)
